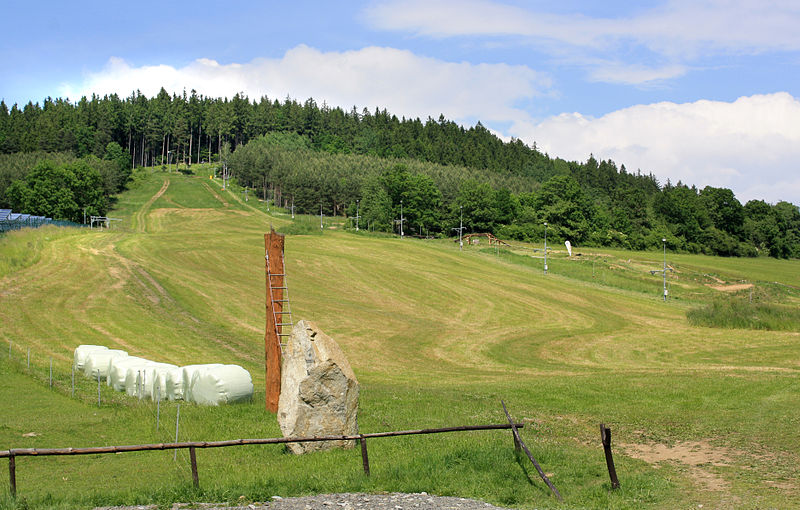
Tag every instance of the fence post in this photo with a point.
(12, 475)
(364, 456)
(193, 458)
(605, 435)
(98, 387)
(177, 426)
(73, 380)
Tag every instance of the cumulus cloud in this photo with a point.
(402, 82)
(674, 33)
(751, 145)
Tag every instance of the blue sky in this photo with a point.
(705, 92)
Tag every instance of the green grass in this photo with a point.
(436, 337)
(738, 313)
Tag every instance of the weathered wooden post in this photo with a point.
(12, 475)
(193, 459)
(605, 435)
(364, 457)
(273, 255)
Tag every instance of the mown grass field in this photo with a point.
(700, 416)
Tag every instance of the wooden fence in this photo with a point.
(193, 445)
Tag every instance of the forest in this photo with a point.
(62, 158)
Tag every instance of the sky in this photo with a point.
(706, 92)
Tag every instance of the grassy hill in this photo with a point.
(436, 337)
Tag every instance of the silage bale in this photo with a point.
(82, 351)
(173, 384)
(187, 373)
(118, 370)
(135, 377)
(155, 384)
(96, 365)
(224, 384)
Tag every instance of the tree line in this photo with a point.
(350, 161)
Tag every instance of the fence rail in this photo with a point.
(12, 453)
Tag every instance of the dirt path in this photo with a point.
(140, 218)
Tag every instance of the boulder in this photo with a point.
(319, 391)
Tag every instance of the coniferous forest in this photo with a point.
(63, 158)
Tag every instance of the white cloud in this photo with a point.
(675, 33)
(740, 25)
(402, 82)
(751, 145)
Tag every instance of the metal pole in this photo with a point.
(545, 247)
(177, 426)
(401, 219)
(357, 216)
(461, 229)
(663, 240)
(98, 388)
(73, 381)
(320, 217)
(158, 411)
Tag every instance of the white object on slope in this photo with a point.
(172, 384)
(224, 384)
(135, 376)
(187, 373)
(569, 247)
(118, 370)
(155, 385)
(96, 365)
(82, 351)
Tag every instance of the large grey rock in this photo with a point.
(319, 391)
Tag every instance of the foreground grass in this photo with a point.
(436, 336)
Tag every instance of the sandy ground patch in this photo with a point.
(731, 288)
(698, 455)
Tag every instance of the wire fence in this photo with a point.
(161, 419)
(9, 220)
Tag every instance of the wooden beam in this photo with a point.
(273, 255)
(530, 455)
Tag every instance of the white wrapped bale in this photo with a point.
(173, 384)
(187, 374)
(96, 365)
(82, 351)
(118, 370)
(155, 380)
(135, 378)
(224, 384)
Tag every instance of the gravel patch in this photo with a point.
(345, 501)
